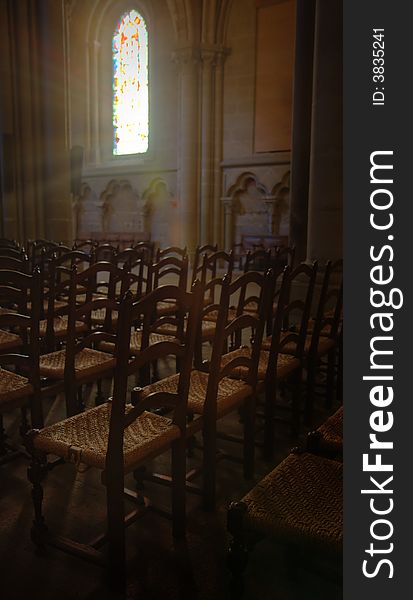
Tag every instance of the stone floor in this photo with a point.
(75, 505)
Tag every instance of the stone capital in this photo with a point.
(189, 55)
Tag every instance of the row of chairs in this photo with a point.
(119, 436)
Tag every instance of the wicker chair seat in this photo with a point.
(88, 362)
(13, 386)
(57, 304)
(60, 326)
(230, 391)
(286, 364)
(135, 342)
(83, 438)
(299, 501)
(9, 341)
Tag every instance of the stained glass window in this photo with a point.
(130, 85)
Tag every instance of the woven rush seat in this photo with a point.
(88, 362)
(299, 501)
(60, 326)
(9, 341)
(286, 363)
(13, 386)
(324, 345)
(83, 438)
(230, 391)
(57, 304)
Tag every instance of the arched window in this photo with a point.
(130, 85)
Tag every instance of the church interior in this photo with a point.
(171, 318)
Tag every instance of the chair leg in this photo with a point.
(237, 557)
(36, 472)
(249, 437)
(296, 402)
(330, 377)
(340, 372)
(310, 391)
(99, 395)
(269, 423)
(209, 459)
(116, 532)
(3, 448)
(178, 488)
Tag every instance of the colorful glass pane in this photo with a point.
(130, 85)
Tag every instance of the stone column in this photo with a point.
(324, 234)
(228, 203)
(301, 125)
(218, 233)
(208, 57)
(188, 136)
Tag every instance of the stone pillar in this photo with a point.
(301, 125)
(207, 138)
(324, 234)
(218, 233)
(188, 136)
(228, 203)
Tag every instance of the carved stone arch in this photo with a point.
(161, 212)
(123, 208)
(87, 212)
(223, 20)
(241, 186)
(281, 193)
(182, 13)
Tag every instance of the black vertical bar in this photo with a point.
(377, 118)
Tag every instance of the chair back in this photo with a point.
(183, 349)
(26, 325)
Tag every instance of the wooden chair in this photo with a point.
(21, 351)
(213, 394)
(7, 243)
(299, 505)
(211, 265)
(324, 335)
(119, 438)
(168, 270)
(146, 251)
(259, 259)
(79, 362)
(284, 350)
(200, 252)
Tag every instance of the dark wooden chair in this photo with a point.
(19, 352)
(200, 252)
(105, 253)
(324, 336)
(168, 270)
(80, 362)
(299, 505)
(257, 260)
(146, 251)
(283, 352)
(213, 393)
(118, 438)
